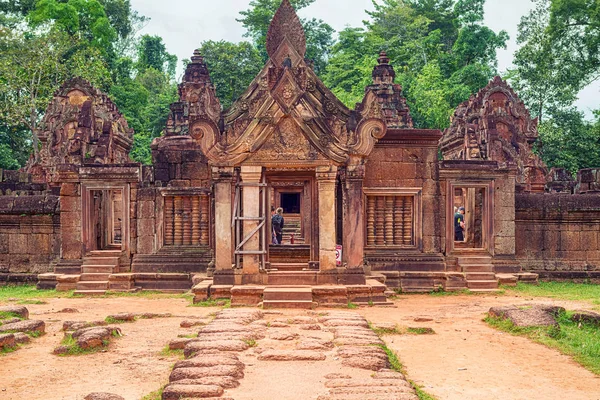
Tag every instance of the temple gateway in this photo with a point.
(369, 202)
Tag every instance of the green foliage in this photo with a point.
(232, 67)
(7, 315)
(156, 395)
(352, 306)
(319, 35)
(168, 352)
(152, 53)
(421, 394)
(569, 141)
(224, 303)
(29, 292)
(395, 363)
(420, 331)
(560, 290)
(578, 340)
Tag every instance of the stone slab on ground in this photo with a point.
(291, 355)
(21, 311)
(177, 392)
(220, 345)
(103, 396)
(7, 341)
(24, 326)
(234, 371)
(589, 317)
(524, 316)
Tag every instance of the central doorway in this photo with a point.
(290, 202)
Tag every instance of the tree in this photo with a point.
(33, 66)
(152, 53)
(319, 35)
(232, 67)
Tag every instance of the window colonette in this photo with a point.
(186, 220)
(391, 218)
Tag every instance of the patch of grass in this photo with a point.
(111, 321)
(352, 306)
(395, 363)
(421, 393)
(9, 349)
(420, 331)
(224, 303)
(442, 292)
(73, 348)
(559, 290)
(189, 336)
(578, 340)
(32, 301)
(251, 342)
(380, 331)
(167, 352)
(156, 395)
(32, 334)
(7, 315)
(27, 292)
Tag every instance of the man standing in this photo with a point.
(277, 224)
(459, 225)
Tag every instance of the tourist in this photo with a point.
(459, 225)
(277, 224)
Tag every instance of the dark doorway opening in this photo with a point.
(290, 202)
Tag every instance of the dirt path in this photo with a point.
(465, 359)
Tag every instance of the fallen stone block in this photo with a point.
(7, 341)
(226, 382)
(388, 374)
(24, 326)
(343, 322)
(349, 383)
(122, 317)
(589, 317)
(221, 345)
(283, 336)
(314, 344)
(278, 324)
(366, 362)
(310, 327)
(234, 371)
(20, 311)
(9, 321)
(177, 392)
(291, 355)
(180, 343)
(209, 361)
(191, 323)
(103, 396)
(535, 315)
(76, 325)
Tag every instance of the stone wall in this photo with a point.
(29, 235)
(557, 235)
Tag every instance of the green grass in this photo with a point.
(352, 306)
(560, 290)
(384, 331)
(29, 292)
(32, 301)
(111, 321)
(580, 341)
(420, 331)
(73, 348)
(156, 395)
(224, 303)
(421, 393)
(251, 342)
(7, 315)
(32, 334)
(395, 363)
(167, 352)
(7, 350)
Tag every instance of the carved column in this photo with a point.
(222, 178)
(379, 221)
(187, 220)
(398, 219)
(326, 177)
(251, 176)
(195, 220)
(371, 221)
(204, 231)
(169, 220)
(354, 220)
(178, 229)
(389, 220)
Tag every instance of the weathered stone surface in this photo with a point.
(240, 316)
(314, 344)
(366, 362)
(527, 316)
(226, 382)
(89, 338)
(255, 333)
(180, 343)
(357, 342)
(356, 351)
(283, 336)
(365, 396)
(103, 396)
(24, 326)
(209, 361)
(22, 338)
(69, 311)
(153, 315)
(297, 320)
(21, 311)
(589, 317)
(388, 374)
(234, 371)
(76, 325)
(337, 376)
(221, 345)
(371, 390)
(346, 322)
(310, 327)
(278, 324)
(61, 350)
(7, 340)
(177, 392)
(291, 355)
(122, 317)
(191, 323)
(9, 321)
(350, 383)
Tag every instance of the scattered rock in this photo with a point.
(9, 321)
(255, 333)
(21, 311)
(176, 391)
(536, 315)
(191, 324)
(71, 311)
(314, 344)
(24, 326)
(423, 319)
(260, 323)
(89, 338)
(153, 315)
(291, 355)
(375, 392)
(346, 322)
(76, 325)
(234, 371)
(279, 324)
(226, 382)
(22, 338)
(358, 342)
(122, 317)
(589, 317)
(283, 336)
(103, 396)
(61, 350)
(421, 330)
(297, 320)
(7, 341)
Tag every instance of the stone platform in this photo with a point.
(293, 296)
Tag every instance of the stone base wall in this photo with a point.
(29, 236)
(558, 235)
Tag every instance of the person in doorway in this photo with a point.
(273, 235)
(277, 224)
(459, 225)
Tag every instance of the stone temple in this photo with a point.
(369, 201)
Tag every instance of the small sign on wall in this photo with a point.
(338, 255)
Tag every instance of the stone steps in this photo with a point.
(94, 276)
(296, 267)
(98, 269)
(92, 285)
(96, 260)
(90, 292)
(480, 276)
(279, 278)
(288, 297)
(97, 266)
(486, 284)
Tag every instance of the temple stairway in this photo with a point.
(293, 226)
(97, 266)
(479, 273)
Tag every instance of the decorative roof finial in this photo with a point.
(286, 24)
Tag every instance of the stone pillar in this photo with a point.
(251, 176)
(353, 214)
(326, 177)
(223, 178)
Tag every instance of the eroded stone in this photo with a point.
(234, 371)
(21, 311)
(177, 392)
(291, 355)
(24, 326)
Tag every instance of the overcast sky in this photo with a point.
(184, 24)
